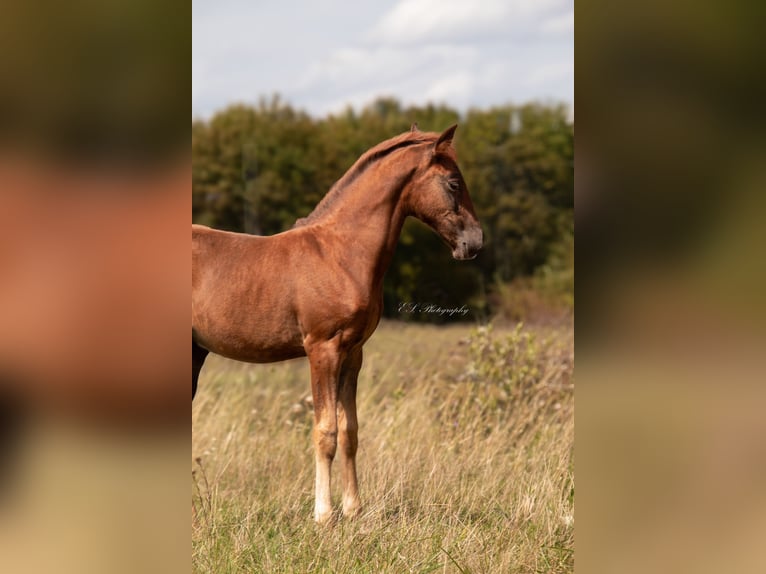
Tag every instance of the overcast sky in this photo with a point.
(322, 55)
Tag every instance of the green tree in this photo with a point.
(259, 168)
(518, 163)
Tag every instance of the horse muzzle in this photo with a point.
(468, 244)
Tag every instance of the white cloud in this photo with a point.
(451, 88)
(560, 24)
(321, 57)
(423, 21)
(549, 72)
(434, 73)
(413, 21)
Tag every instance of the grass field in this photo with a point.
(466, 458)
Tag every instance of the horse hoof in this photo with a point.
(352, 512)
(324, 518)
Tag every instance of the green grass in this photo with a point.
(465, 459)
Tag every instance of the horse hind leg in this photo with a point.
(14, 418)
(347, 433)
(198, 359)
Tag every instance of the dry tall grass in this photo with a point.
(465, 459)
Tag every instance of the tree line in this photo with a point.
(258, 168)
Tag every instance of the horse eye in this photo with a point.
(453, 184)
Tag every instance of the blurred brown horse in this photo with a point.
(316, 290)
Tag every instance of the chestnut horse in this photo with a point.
(316, 290)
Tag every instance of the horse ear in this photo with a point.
(445, 140)
(414, 127)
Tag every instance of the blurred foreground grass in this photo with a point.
(466, 458)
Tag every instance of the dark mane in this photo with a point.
(360, 166)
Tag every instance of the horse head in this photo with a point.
(438, 196)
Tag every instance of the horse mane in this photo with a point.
(371, 156)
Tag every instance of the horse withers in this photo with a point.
(316, 290)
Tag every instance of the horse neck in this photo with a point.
(371, 214)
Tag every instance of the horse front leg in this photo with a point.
(325, 361)
(347, 436)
